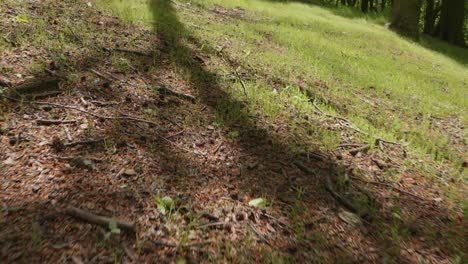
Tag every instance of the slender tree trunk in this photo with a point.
(405, 17)
(365, 6)
(383, 5)
(429, 18)
(451, 22)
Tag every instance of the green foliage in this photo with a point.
(114, 229)
(165, 205)
(233, 134)
(258, 202)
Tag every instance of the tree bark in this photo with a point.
(451, 22)
(429, 18)
(365, 6)
(405, 17)
(383, 4)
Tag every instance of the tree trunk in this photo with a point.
(365, 6)
(383, 4)
(451, 22)
(429, 18)
(405, 17)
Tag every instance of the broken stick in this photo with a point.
(48, 122)
(166, 90)
(97, 219)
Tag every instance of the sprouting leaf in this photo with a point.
(350, 218)
(168, 201)
(259, 202)
(161, 208)
(129, 172)
(23, 19)
(165, 204)
(234, 134)
(114, 229)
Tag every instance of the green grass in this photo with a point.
(389, 86)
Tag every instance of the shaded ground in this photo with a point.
(212, 157)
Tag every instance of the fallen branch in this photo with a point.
(97, 115)
(48, 122)
(363, 148)
(97, 219)
(260, 235)
(31, 88)
(304, 168)
(348, 145)
(329, 186)
(340, 199)
(168, 91)
(244, 86)
(137, 52)
(113, 77)
(99, 103)
(188, 245)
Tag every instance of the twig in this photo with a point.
(213, 224)
(99, 103)
(236, 73)
(113, 77)
(355, 151)
(338, 198)
(175, 134)
(217, 148)
(98, 115)
(169, 91)
(260, 235)
(244, 86)
(100, 75)
(317, 107)
(48, 122)
(137, 52)
(390, 186)
(328, 186)
(189, 245)
(85, 142)
(97, 219)
(347, 145)
(304, 168)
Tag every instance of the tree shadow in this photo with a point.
(458, 54)
(275, 177)
(181, 47)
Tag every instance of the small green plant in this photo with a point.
(36, 234)
(234, 134)
(166, 205)
(258, 202)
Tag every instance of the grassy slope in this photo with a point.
(388, 86)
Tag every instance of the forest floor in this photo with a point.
(159, 118)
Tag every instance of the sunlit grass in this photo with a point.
(390, 87)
